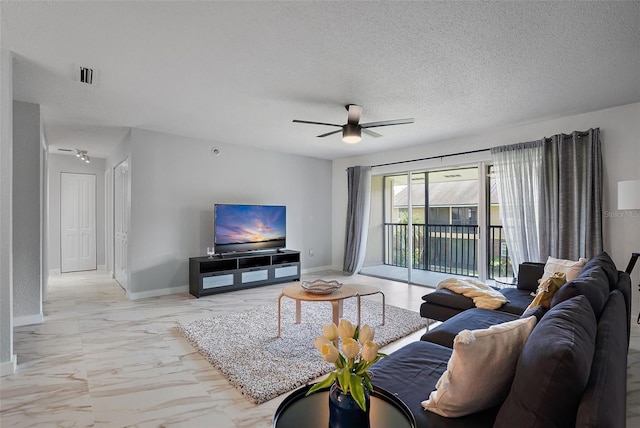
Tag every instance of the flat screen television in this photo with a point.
(240, 228)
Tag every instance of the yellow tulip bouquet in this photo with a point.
(357, 354)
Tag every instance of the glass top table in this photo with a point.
(298, 410)
(506, 282)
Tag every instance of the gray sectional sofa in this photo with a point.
(570, 372)
(444, 304)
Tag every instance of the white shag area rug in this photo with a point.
(243, 346)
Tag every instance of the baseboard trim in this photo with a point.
(54, 272)
(28, 320)
(156, 293)
(316, 269)
(9, 367)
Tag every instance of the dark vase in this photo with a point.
(344, 412)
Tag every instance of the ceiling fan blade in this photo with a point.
(329, 133)
(371, 133)
(354, 113)
(315, 123)
(387, 123)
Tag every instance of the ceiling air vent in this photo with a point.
(85, 75)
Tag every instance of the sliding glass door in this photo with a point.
(431, 226)
(452, 227)
(404, 222)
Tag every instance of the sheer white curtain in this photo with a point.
(551, 196)
(519, 172)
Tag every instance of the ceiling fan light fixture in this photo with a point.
(351, 133)
(352, 130)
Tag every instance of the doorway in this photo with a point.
(77, 222)
(121, 209)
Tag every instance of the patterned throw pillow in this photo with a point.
(547, 289)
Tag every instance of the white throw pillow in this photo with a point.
(481, 368)
(570, 268)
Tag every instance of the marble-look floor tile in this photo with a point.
(50, 391)
(102, 360)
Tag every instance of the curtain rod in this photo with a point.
(546, 139)
(431, 157)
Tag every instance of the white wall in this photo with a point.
(7, 358)
(56, 165)
(175, 181)
(620, 135)
(27, 285)
(44, 201)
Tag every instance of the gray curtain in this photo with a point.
(572, 168)
(551, 196)
(358, 197)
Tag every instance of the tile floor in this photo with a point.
(102, 360)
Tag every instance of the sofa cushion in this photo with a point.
(423, 363)
(553, 368)
(536, 311)
(591, 283)
(604, 400)
(604, 261)
(518, 300)
(471, 319)
(570, 268)
(437, 312)
(624, 286)
(481, 368)
(529, 274)
(448, 298)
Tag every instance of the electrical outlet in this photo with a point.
(311, 253)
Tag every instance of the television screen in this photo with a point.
(249, 227)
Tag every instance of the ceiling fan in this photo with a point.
(352, 130)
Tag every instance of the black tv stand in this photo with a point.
(236, 271)
(233, 254)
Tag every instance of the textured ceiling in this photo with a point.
(239, 72)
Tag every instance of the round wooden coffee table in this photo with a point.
(367, 290)
(297, 293)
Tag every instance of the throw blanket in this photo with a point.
(483, 296)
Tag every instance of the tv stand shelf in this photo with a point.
(238, 271)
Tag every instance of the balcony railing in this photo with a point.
(446, 248)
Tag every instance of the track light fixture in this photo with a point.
(82, 154)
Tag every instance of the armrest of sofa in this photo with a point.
(528, 275)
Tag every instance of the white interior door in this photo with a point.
(77, 222)
(108, 233)
(121, 204)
